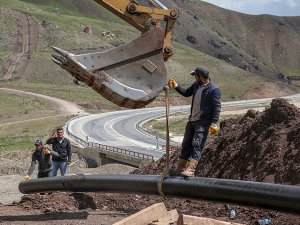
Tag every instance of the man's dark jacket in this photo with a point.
(44, 160)
(210, 100)
(63, 149)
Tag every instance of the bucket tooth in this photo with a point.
(57, 62)
(61, 52)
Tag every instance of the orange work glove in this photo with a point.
(172, 84)
(213, 129)
(47, 151)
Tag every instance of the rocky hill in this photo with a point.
(262, 44)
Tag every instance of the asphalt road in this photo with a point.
(120, 129)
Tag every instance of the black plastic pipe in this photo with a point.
(263, 195)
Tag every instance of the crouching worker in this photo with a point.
(41, 155)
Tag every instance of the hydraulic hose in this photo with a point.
(262, 195)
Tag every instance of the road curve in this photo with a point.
(120, 129)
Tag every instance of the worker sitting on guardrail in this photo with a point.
(42, 155)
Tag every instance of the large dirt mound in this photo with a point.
(64, 202)
(261, 147)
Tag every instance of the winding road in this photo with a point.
(120, 129)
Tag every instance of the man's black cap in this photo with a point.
(200, 71)
(38, 142)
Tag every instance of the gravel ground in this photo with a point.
(14, 165)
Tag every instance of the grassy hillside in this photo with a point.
(61, 24)
(27, 109)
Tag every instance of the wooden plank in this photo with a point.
(145, 216)
(193, 220)
(171, 217)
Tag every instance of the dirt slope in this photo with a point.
(26, 42)
(257, 147)
(262, 147)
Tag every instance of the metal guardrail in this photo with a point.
(110, 148)
(78, 139)
(121, 151)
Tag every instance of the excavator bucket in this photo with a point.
(130, 75)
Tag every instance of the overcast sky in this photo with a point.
(273, 7)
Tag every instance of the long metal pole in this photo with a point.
(160, 4)
(263, 195)
(167, 91)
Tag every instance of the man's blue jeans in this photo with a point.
(62, 166)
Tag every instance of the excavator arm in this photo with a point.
(130, 75)
(145, 18)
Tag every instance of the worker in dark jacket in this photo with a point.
(41, 155)
(204, 116)
(62, 146)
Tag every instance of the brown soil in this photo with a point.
(122, 205)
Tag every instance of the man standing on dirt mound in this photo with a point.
(41, 155)
(62, 146)
(203, 119)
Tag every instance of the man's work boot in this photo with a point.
(180, 167)
(190, 169)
